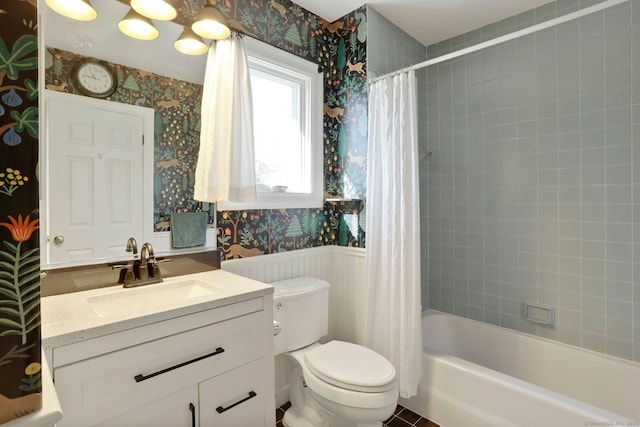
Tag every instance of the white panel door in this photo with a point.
(96, 179)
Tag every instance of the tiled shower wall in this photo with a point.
(389, 49)
(534, 182)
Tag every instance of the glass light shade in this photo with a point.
(190, 43)
(162, 10)
(80, 10)
(209, 23)
(137, 26)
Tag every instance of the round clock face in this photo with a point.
(95, 79)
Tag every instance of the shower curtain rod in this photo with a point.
(525, 31)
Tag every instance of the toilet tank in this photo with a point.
(300, 312)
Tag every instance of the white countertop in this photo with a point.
(73, 317)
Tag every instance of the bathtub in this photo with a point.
(477, 374)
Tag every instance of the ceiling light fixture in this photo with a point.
(209, 23)
(190, 43)
(162, 10)
(137, 26)
(80, 10)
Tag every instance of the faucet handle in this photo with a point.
(127, 273)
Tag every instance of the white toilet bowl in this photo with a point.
(337, 384)
(344, 385)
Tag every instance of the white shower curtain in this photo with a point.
(226, 168)
(393, 309)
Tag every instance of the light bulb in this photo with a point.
(209, 23)
(190, 43)
(137, 26)
(162, 10)
(80, 10)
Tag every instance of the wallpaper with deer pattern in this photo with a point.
(20, 356)
(339, 49)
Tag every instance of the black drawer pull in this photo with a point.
(192, 408)
(252, 394)
(141, 377)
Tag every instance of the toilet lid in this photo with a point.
(351, 366)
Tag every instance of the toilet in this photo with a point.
(337, 384)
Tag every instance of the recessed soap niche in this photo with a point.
(541, 314)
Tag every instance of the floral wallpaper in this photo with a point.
(20, 356)
(176, 131)
(338, 48)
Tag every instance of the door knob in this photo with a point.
(58, 240)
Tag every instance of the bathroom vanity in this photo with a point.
(195, 350)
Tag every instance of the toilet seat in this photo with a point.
(344, 396)
(351, 366)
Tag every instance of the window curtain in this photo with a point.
(226, 167)
(392, 310)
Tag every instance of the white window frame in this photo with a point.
(266, 57)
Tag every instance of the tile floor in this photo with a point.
(402, 417)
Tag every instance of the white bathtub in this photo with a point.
(482, 375)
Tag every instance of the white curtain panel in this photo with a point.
(226, 167)
(392, 309)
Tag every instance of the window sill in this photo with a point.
(276, 201)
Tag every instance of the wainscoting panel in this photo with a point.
(346, 303)
(342, 267)
(284, 265)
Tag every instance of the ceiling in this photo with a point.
(428, 21)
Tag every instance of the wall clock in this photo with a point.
(95, 78)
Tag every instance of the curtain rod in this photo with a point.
(525, 31)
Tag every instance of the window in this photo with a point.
(287, 119)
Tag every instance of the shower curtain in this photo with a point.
(392, 311)
(226, 168)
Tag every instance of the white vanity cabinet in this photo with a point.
(207, 368)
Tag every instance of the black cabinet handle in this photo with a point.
(141, 377)
(192, 408)
(252, 394)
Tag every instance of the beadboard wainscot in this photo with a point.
(342, 267)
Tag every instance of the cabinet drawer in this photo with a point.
(102, 387)
(237, 398)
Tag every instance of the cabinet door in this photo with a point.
(179, 409)
(237, 398)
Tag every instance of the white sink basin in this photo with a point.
(155, 296)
